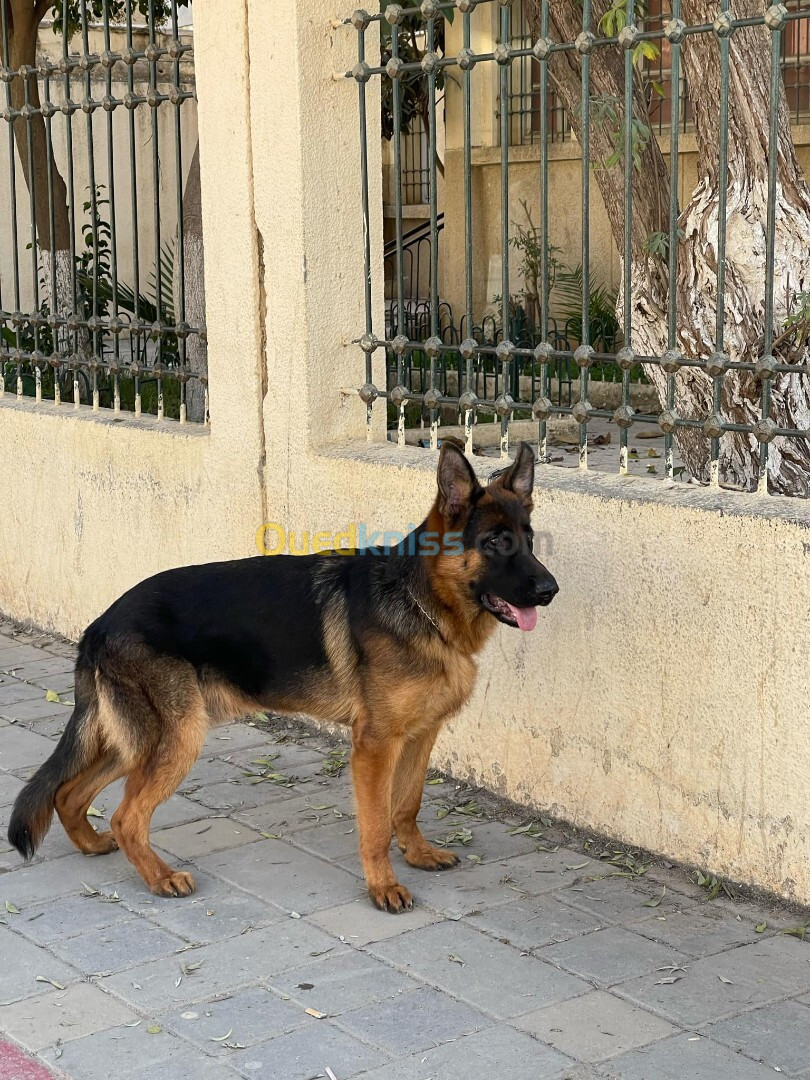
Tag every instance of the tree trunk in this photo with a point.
(194, 289)
(22, 47)
(696, 287)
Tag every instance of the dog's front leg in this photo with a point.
(374, 762)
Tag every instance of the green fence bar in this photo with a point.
(543, 351)
(624, 414)
(503, 353)
(468, 349)
(584, 353)
(434, 344)
(672, 355)
(766, 425)
(719, 358)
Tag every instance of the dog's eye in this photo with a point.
(494, 542)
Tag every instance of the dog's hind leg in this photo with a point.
(74, 798)
(149, 784)
(409, 781)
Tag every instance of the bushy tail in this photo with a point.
(34, 806)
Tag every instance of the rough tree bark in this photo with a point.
(194, 289)
(696, 291)
(23, 19)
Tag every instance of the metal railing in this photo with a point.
(754, 368)
(523, 97)
(92, 260)
(415, 171)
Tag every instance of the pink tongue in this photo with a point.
(526, 616)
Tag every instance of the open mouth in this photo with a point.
(524, 618)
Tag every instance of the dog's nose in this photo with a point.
(545, 589)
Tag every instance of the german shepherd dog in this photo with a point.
(382, 641)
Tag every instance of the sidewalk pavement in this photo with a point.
(531, 960)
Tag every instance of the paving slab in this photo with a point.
(14, 654)
(414, 1021)
(700, 931)
(277, 872)
(217, 910)
(63, 1015)
(535, 922)
(237, 795)
(132, 1052)
(299, 812)
(621, 900)
(358, 923)
(230, 738)
(45, 671)
(39, 708)
(203, 837)
(304, 1054)
(777, 1035)
(339, 982)
(57, 920)
(39, 882)
(496, 1052)
(686, 1057)
(20, 748)
(251, 1016)
(10, 788)
(471, 966)
(27, 969)
(595, 1027)
(219, 968)
(723, 985)
(12, 692)
(473, 887)
(117, 947)
(611, 956)
(335, 840)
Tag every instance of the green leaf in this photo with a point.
(52, 695)
(92, 812)
(154, 1029)
(760, 928)
(12, 909)
(654, 901)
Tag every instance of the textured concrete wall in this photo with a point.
(663, 696)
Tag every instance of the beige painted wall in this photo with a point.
(663, 697)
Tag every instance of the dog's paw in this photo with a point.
(103, 844)
(430, 858)
(178, 883)
(394, 898)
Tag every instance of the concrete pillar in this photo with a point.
(305, 138)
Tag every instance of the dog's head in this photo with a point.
(502, 573)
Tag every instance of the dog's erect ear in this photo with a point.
(519, 477)
(456, 480)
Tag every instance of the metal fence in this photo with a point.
(96, 150)
(705, 423)
(415, 172)
(524, 92)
